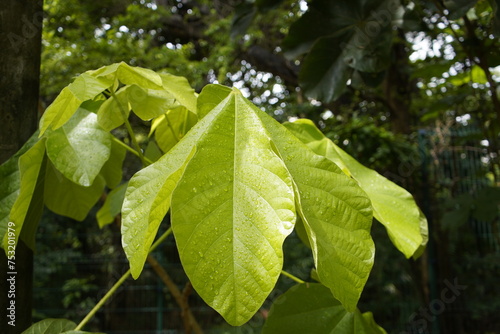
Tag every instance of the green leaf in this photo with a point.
(172, 126)
(51, 326)
(10, 183)
(149, 103)
(180, 89)
(341, 36)
(142, 77)
(69, 199)
(110, 114)
(60, 111)
(336, 214)
(80, 148)
(324, 73)
(310, 308)
(86, 87)
(232, 211)
(112, 206)
(393, 206)
(27, 210)
(112, 170)
(210, 97)
(148, 196)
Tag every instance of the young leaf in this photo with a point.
(143, 77)
(336, 214)
(80, 148)
(111, 113)
(10, 182)
(60, 111)
(28, 207)
(69, 199)
(86, 87)
(232, 211)
(310, 308)
(149, 103)
(112, 170)
(180, 89)
(112, 206)
(51, 326)
(393, 206)
(171, 127)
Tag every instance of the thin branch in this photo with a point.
(117, 285)
(295, 278)
(187, 316)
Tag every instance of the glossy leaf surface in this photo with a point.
(80, 148)
(393, 206)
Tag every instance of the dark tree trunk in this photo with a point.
(20, 47)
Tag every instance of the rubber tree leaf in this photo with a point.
(142, 77)
(112, 206)
(336, 214)
(180, 89)
(148, 197)
(85, 87)
(149, 103)
(393, 206)
(28, 207)
(80, 148)
(69, 199)
(10, 183)
(51, 326)
(114, 110)
(232, 211)
(311, 308)
(210, 97)
(60, 111)
(112, 170)
(171, 127)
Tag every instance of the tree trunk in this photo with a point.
(20, 42)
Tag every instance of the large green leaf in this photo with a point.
(336, 214)
(112, 206)
(310, 308)
(148, 196)
(51, 326)
(232, 211)
(172, 126)
(142, 77)
(393, 206)
(10, 183)
(112, 170)
(180, 89)
(26, 211)
(210, 97)
(79, 148)
(69, 199)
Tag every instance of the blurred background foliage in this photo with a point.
(409, 88)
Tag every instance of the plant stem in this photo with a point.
(118, 284)
(130, 149)
(294, 278)
(129, 129)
